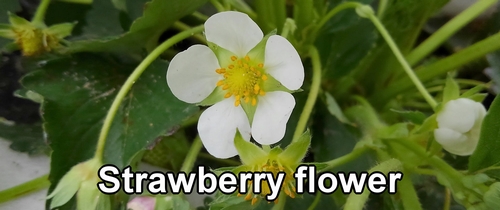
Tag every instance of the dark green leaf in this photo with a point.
(24, 138)
(486, 153)
(78, 92)
(145, 31)
(494, 71)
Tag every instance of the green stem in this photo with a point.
(201, 17)
(399, 56)
(445, 32)
(131, 80)
(357, 201)
(188, 164)
(25, 188)
(214, 159)
(289, 24)
(40, 12)
(313, 94)
(441, 67)
(218, 5)
(447, 199)
(315, 202)
(382, 5)
(355, 153)
(184, 27)
(408, 194)
(334, 11)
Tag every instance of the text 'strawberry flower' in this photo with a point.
(34, 39)
(459, 126)
(276, 160)
(246, 76)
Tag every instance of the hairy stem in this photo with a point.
(399, 56)
(130, 82)
(355, 153)
(313, 94)
(40, 12)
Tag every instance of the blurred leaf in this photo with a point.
(78, 92)
(415, 117)
(486, 153)
(168, 151)
(494, 71)
(399, 130)
(145, 31)
(223, 201)
(325, 202)
(102, 20)
(332, 139)
(24, 138)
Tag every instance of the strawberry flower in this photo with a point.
(246, 76)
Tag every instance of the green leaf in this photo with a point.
(451, 90)
(223, 201)
(342, 51)
(428, 125)
(61, 30)
(78, 92)
(249, 152)
(415, 117)
(145, 31)
(494, 71)
(486, 153)
(24, 138)
(492, 196)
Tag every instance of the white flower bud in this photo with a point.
(459, 126)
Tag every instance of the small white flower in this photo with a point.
(459, 126)
(250, 75)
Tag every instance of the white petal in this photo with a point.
(234, 31)
(283, 62)
(191, 74)
(455, 142)
(217, 128)
(459, 115)
(272, 114)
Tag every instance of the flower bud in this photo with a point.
(459, 126)
(142, 203)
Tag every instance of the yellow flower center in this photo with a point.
(29, 40)
(242, 78)
(273, 166)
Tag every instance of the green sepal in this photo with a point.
(223, 55)
(478, 97)
(88, 195)
(216, 96)
(61, 30)
(7, 32)
(451, 90)
(249, 111)
(219, 171)
(297, 150)
(428, 125)
(249, 153)
(472, 91)
(17, 21)
(271, 84)
(258, 53)
(65, 189)
(398, 130)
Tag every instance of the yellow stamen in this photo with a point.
(237, 100)
(233, 58)
(264, 77)
(254, 101)
(247, 58)
(248, 196)
(231, 66)
(254, 200)
(260, 65)
(220, 83)
(228, 94)
(262, 93)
